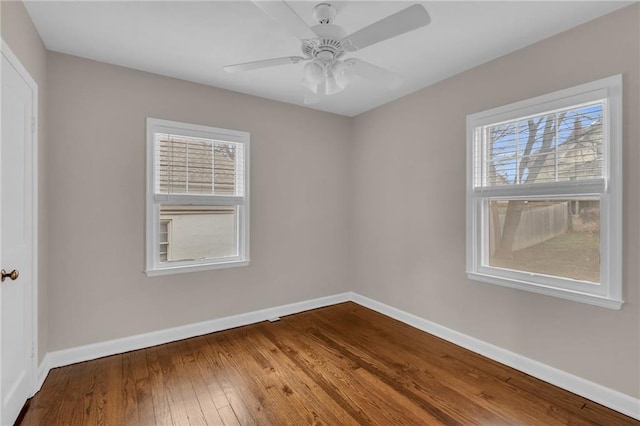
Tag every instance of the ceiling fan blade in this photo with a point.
(374, 73)
(281, 12)
(265, 63)
(406, 20)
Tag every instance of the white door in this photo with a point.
(16, 232)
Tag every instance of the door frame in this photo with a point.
(22, 71)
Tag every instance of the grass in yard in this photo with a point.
(574, 255)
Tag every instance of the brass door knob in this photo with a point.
(13, 275)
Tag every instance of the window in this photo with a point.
(544, 194)
(197, 197)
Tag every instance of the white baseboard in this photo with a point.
(608, 397)
(613, 399)
(112, 347)
(43, 372)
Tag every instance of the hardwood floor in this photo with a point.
(340, 365)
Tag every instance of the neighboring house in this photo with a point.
(189, 233)
(577, 157)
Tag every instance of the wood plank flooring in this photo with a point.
(341, 365)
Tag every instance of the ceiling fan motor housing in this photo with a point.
(328, 41)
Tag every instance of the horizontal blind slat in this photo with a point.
(554, 146)
(186, 165)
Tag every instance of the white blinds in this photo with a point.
(197, 166)
(556, 146)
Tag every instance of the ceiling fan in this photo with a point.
(325, 44)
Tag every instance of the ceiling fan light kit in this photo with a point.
(324, 45)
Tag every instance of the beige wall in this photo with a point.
(98, 290)
(23, 40)
(408, 215)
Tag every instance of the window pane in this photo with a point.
(552, 237)
(197, 166)
(198, 232)
(557, 146)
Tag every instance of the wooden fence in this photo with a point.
(537, 224)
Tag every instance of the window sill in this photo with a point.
(183, 269)
(575, 296)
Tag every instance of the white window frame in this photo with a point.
(608, 293)
(153, 201)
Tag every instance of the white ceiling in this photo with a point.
(194, 40)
